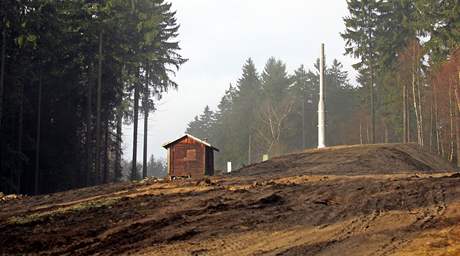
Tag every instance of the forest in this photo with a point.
(407, 89)
(79, 80)
(275, 113)
(71, 73)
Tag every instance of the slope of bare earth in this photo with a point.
(355, 200)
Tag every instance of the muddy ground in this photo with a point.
(359, 200)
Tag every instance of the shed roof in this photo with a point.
(168, 144)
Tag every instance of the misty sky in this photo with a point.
(218, 36)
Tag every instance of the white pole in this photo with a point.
(229, 167)
(321, 107)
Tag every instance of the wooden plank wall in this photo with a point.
(187, 158)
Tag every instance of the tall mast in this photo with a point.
(321, 106)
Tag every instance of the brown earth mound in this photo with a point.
(300, 205)
(352, 160)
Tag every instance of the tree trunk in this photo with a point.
(38, 134)
(371, 89)
(405, 113)
(2, 73)
(367, 133)
(420, 110)
(304, 145)
(98, 112)
(144, 158)
(408, 115)
(372, 106)
(134, 174)
(146, 121)
(105, 174)
(118, 145)
(360, 132)
(249, 149)
(457, 129)
(451, 124)
(457, 92)
(436, 122)
(414, 97)
(89, 136)
(431, 121)
(457, 99)
(20, 135)
(2, 86)
(385, 127)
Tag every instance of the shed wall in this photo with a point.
(209, 162)
(187, 158)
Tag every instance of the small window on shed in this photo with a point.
(191, 155)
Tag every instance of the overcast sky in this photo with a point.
(218, 36)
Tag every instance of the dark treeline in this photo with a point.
(156, 167)
(407, 89)
(71, 73)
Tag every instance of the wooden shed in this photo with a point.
(189, 156)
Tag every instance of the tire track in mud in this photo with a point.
(345, 231)
(432, 202)
(331, 233)
(357, 226)
(339, 201)
(426, 218)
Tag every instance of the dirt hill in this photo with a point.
(358, 200)
(352, 160)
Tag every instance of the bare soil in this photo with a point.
(352, 200)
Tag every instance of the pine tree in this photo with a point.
(275, 107)
(304, 118)
(361, 42)
(225, 131)
(246, 103)
(55, 46)
(440, 22)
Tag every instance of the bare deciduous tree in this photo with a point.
(273, 117)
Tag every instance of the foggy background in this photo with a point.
(218, 36)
